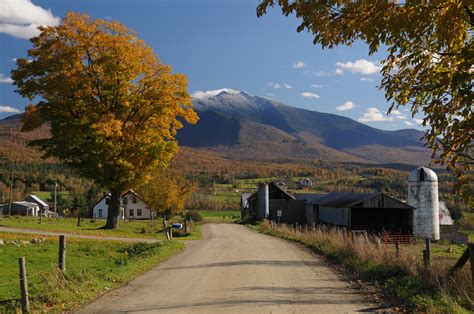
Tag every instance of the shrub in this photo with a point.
(194, 216)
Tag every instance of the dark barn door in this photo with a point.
(392, 220)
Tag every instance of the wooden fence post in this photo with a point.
(186, 227)
(25, 303)
(427, 253)
(62, 253)
(471, 252)
(397, 248)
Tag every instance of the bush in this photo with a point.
(194, 216)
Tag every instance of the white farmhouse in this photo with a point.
(133, 207)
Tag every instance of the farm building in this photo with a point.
(133, 207)
(374, 212)
(44, 207)
(21, 208)
(304, 184)
(446, 224)
(270, 200)
(244, 204)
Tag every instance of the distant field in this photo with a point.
(127, 229)
(93, 267)
(45, 195)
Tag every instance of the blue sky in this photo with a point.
(221, 44)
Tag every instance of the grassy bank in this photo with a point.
(93, 267)
(403, 281)
(127, 229)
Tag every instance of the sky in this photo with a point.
(221, 44)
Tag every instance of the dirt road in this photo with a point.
(234, 269)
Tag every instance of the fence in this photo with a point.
(23, 275)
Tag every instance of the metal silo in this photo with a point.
(423, 195)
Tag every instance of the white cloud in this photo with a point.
(270, 94)
(21, 18)
(321, 73)
(317, 86)
(298, 65)
(274, 85)
(418, 121)
(13, 60)
(278, 85)
(310, 95)
(366, 79)
(211, 93)
(373, 115)
(396, 114)
(348, 105)
(407, 123)
(338, 71)
(5, 80)
(9, 109)
(362, 66)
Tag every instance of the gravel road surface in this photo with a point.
(236, 270)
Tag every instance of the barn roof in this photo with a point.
(444, 215)
(244, 199)
(349, 199)
(25, 204)
(341, 199)
(273, 185)
(38, 200)
(307, 196)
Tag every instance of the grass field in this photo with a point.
(45, 195)
(93, 267)
(220, 216)
(127, 229)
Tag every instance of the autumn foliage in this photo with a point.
(113, 107)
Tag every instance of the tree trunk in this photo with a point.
(79, 218)
(115, 204)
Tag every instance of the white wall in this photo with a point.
(131, 209)
(100, 210)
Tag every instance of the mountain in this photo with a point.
(239, 127)
(242, 126)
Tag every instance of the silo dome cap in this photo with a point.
(423, 174)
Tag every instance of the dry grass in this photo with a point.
(405, 278)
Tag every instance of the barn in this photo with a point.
(373, 212)
(273, 202)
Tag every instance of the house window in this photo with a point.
(125, 200)
(130, 212)
(100, 213)
(134, 199)
(107, 201)
(139, 212)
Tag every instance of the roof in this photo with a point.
(275, 185)
(38, 200)
(25, 204)
(341, 199)
(100, 199)
(307, 197)
(350, 199)
(244, 199)
(422, 174)
(445, 215)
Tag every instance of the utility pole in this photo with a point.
(11, 191)
(55, 195)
